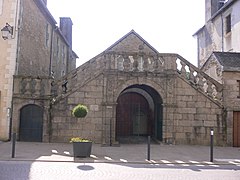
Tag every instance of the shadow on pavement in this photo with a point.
(85, 167)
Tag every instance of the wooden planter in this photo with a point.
(82, 149)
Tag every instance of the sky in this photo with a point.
(167, 25)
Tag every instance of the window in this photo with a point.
(228, 23)
(47, 35)
(238, 81)
(63, 54)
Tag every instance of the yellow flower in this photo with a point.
(78, 139)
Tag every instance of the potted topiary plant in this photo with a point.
(81, 147)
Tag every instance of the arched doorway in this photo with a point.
(138, 114)
(31, 123)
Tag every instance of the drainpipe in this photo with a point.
(222, 32)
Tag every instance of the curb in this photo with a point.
(123, 162)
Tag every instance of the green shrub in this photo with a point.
(80, 111)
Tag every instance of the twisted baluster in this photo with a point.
(200, 82)
(183, 70)
(191, 76)
(209, 88)
(126, 63)
(145, 63)
(135, 63)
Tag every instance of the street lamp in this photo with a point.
(7, 31)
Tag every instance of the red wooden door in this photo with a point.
(236, 129)
(132, 115)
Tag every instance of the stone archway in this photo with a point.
(31, 123)
(138, 114)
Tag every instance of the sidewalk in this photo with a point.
(128, 153)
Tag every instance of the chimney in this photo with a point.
(66, 28)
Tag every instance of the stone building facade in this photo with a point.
(218, 55)
(221, 30)
(8, 14)
(131, 90)
(38, 49)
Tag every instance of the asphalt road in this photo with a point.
(28, 170)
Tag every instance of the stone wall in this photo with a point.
(231, 95)
(35, 40)
(195, 115)
(64, 126)
(30, 90)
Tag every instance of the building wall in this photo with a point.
(30, 90)
(44, 49)
(35, 41)
(59, 56)
(8, 14)
(231, 94)
(27, 52)
(194, 117)
(213, 36)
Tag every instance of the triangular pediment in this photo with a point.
(131, 42)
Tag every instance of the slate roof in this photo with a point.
(228, 59)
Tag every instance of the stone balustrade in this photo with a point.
(30, 86)
(199, 79)
(140, 62)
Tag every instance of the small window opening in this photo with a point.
(228, 23)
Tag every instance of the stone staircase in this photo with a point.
(137, 62)
(200, 81)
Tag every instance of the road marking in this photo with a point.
(66, 152)
(123, 160)
(108, 158)
(207, 162)
(54, 151)
(194, 162)
(166, 162)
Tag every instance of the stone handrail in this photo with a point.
(78, 77)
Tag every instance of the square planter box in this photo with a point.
(82, 149)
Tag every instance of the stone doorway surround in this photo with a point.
(138, 113)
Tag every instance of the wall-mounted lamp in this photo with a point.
(7, 31)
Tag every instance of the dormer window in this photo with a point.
(228, 24)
